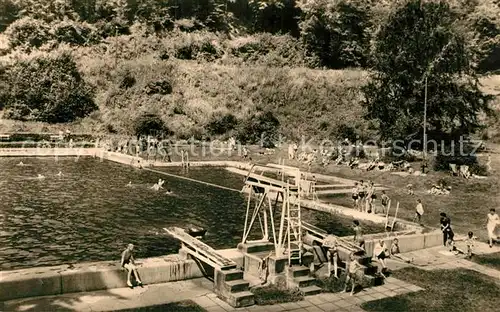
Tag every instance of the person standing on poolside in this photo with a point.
(419, 211)
(358, 234)
(492, 222)
(362, 195)
(355, 195)
(381, 252)
(446, 229)
(385, 201)
(352, 268)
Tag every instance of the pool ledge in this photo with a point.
(83, 277)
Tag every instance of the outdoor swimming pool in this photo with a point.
(88, 213)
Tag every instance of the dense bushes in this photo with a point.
(48, 89)
(259, 128)
(150, 124)
(28, 33)
(337, 34)
(222, 124)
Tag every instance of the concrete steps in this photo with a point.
(231, 287)
(311, 290)
(297, 271)
(304, 281)
(300, 277)
(241, 299)
(236, 286)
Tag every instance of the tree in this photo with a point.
(48, 89)
(150, 124)
(336, 31)
(8, 13)
(424, 40)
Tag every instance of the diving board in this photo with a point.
(322, 234)
(273, 184)
(200, 250)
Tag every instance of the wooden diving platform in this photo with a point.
(200, 250)
(322, 234)
(266, 182)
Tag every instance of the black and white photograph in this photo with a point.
(250, 155)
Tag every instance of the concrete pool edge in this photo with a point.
(84, 277)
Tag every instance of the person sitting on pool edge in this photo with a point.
(128, 263)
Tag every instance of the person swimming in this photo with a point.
(60, 174)
(20, 163)
(168, 192)
(40, 177)
(159, 185)
(129, 184)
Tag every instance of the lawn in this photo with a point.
(467, 205)
(445, 290)
(490, 260)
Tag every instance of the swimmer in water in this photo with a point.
(20, 163)
(168, 192)
(40, 176)
(60, 174)
(129, 184)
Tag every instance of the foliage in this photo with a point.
(48, 89)
(28, 33)
(259, 128)
(422, 40)
(222, 124)
(273, 295)
(75, 33)
(270, 50)
(8, 13)
(336, 32)
(149, 124)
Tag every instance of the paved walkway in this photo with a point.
(200, 291)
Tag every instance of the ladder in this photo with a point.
(389, 224)
(294, 226)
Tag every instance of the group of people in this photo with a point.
(492, 221)
(363, 196)
(381, 252)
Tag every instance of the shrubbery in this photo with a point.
(48, 89)
(262, 128)
(28, 33)
(150, 124)
(222, 124)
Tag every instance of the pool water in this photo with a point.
(89, 214)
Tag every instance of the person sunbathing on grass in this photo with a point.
(128, 263)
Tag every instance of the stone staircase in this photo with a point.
(232, 288)
(299, 276)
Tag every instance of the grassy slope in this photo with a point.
(445, 290)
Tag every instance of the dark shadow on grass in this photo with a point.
(490, 260)
(182, 306)
(445, 290)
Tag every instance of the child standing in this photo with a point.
(352, 267)
(355, 195)
(385, 201)
(470, 243)
(419, 211)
